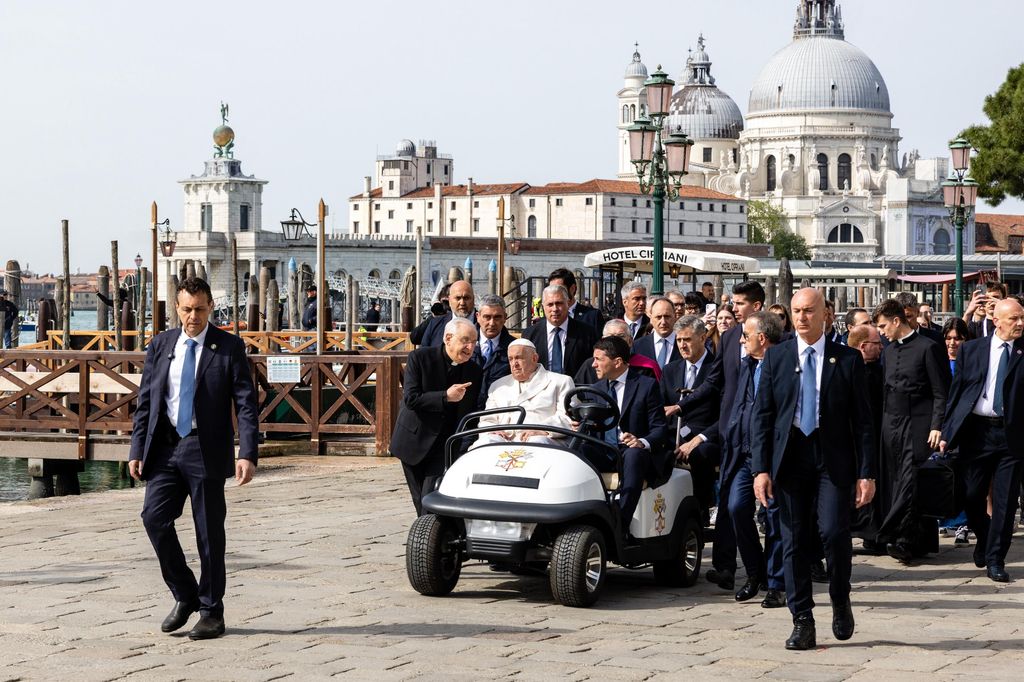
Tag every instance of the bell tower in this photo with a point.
(632, 100)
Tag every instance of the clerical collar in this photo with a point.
(907, 337)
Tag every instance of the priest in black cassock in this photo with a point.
(913, 407)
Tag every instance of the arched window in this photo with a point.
(940, 242)
(395, 275)
(845, 175)
(770, 165)
(846, 234)
(374, 274)
(823, 172)
(531, 227)
(632, 112)
(625, 113)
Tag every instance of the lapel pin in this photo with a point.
(832, 360)
(213, 346)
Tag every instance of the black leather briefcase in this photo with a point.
(936, 489)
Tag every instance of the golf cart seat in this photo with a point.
(612, 481)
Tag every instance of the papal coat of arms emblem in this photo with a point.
(512, 459)
(659, 511)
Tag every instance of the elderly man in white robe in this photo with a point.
(540, 392)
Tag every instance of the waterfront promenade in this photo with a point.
(317, 589)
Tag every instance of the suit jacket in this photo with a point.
(933, 334)
(702, 416)
(496, 366)
(844, 417)
(720, 384)
(643, 415)
(542, 397)
(433, 335)
(591, 317)
(578, 344)
(426, 419)
(643, 329)
(740, 420)
(981, 329)
(645, 346)
(969, 383)
(223, 379)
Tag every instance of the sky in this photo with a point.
(106, 105)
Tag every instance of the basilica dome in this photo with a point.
(819, 69)
(636, 68)
(699, 108)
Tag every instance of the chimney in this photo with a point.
(437, 193)
(469, 186)
(366, 186)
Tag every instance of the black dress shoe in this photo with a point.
(723, 579)
(178, 616)
(803, 637)
(979, 555)
(749, 590)
(842, 621)
(899, 551)
(998, 574)
(773, 599)
(208, 627)
(818, 572)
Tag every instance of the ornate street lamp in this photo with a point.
(660, 165)
(960, 195)
(514, 240)
(170, 239)
(293, 228)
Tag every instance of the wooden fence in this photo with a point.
(289, 341)
(58, 404)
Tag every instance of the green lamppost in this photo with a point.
(960, 194)
(660, 165)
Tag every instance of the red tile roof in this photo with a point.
(993, 231)
(598, 186)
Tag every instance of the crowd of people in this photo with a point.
(791, 427)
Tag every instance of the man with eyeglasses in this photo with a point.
(865, 522)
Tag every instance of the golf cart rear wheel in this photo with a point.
(683, 570)
(432, 557)
(578, 568)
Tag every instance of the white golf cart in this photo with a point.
(527, 506)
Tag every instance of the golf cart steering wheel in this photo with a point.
(593, 416)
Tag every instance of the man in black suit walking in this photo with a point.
(183, 447)
(563, 344)
(440, 386)
(491, 352)
(591, 317)
(641, 433)
(660, 345)
(985, 418)
(811, 447)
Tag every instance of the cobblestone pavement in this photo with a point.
(317, 589)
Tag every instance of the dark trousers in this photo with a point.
(760, 563)
(422, 477)
(703, 461)
(988, 463)
(636, 467)
(723, 549)
(804, 487)
(179, 472)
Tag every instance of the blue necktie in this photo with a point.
(1004, 361)
(757, 377)
(808, 394)
(187, 391)
(556, 352)
(487, 350)
(663, 353)
(611, 436)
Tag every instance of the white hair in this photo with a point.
(453, 325)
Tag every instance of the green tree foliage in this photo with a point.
(766, 224)
(999, 164)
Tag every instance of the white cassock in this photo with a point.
(542, 396)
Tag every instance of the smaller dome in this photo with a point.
(636, 68)
(699, 108)
(405, 148)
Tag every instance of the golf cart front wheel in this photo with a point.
(432, 559)
(682, 570)
(578, 567)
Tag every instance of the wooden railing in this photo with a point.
(57, 404)
(266, 343)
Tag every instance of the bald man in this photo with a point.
(985, 419)
(463, 305)
(812, 447)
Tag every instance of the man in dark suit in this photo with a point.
(660, 345)
(440, 386)
(748, 297)
(634, 305)
(563, 344)
(981, 309)
(761, 331)
(985, 418)
(462, 301)
(697, 434)
(585, 375)
(830, 323)
(641, 433)
(866, 521)
(578, 311)
(811, 447)
(491, 352)
(183, 446)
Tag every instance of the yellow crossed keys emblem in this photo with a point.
(659, 510)
(512, 459)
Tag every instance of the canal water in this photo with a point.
(97, 476)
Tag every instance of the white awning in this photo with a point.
(641, 259)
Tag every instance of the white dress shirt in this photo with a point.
(174, 373)
(819, 363)
(551, 338)
(692, 370)
(984, 405)
(620, 391)
(658, 339)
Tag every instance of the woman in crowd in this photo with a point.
(783, 312)
(723, 321)
(954, 333)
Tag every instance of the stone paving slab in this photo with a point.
(317, 591)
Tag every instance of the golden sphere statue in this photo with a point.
(223, 135)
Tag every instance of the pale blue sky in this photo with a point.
(106, 105)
